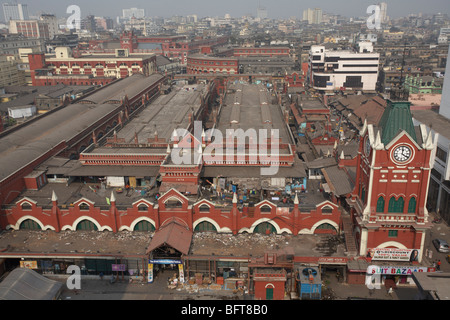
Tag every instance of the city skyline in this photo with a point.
(235, 8)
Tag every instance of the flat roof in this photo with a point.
(249, 106)
(19, 148)
(434, 120)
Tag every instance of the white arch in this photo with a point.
(334, 224)
(273, 223)
(314, 227)
(135, 222)
(396, 244)
(205, 219)
(17, 225)
(73, 227)
(269, 284)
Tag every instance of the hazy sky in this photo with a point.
(236, 8)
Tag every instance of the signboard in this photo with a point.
(150, 273)
(390, 254)
(164, 261)
(119, 267)
(28, 264)
(180, 268)
(388, 270)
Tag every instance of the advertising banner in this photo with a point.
(150, 272)
(180, 268)
(119, 267)
(28, 264)
(390, 254)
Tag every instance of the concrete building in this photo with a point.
(15, 11)
(133, 12)
(331, 70)
(10, 75)
(30, 28)
(313, 16)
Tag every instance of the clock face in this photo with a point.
(402, 153)
(367, 146)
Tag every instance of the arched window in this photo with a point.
(26, 206)
(205, 226)
(396, 206)
(412, 205)
(84, 206)
(29, 225)
(144, 226)
(142, 207)
(265, 209)
(87, 225)
(326, 226)
(380, 204)
(265, 228)
(204, 208)
(173, 204)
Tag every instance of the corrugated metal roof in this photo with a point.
(173, 235)
(396, 117)
(26, 284)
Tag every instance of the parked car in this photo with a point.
(441, 245)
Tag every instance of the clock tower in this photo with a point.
(388, 203)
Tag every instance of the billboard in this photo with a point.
(391, 254)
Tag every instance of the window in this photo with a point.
(144, 226)
(266, 209)
(142, 207)
(173, 204)
(29, 225)
(87, 225)
(204, 208)
(327, 210)
(412, 205)
(26, 206)
(380, 204)
(441, 154)
(205, 226)
(396, 206)
(392, 233)
(84, 206)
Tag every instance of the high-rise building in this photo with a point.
(15, 11)
(444, 109)
(313, 16)
(30, 28)
(383, 12)
(261, 12)
(133, 12)
(52, 21)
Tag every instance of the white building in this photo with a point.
(344, 69)
(133, 12)
(313, 16)
(383, 12)
(15, 11)
(22, 112)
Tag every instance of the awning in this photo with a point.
(174, 235)
(26, 284)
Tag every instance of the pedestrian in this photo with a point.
(390, 291)
(101, 275)
(439, 265)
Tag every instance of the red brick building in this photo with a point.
(392, 177)
(95, 69)
(262, 51)
(198, 64)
